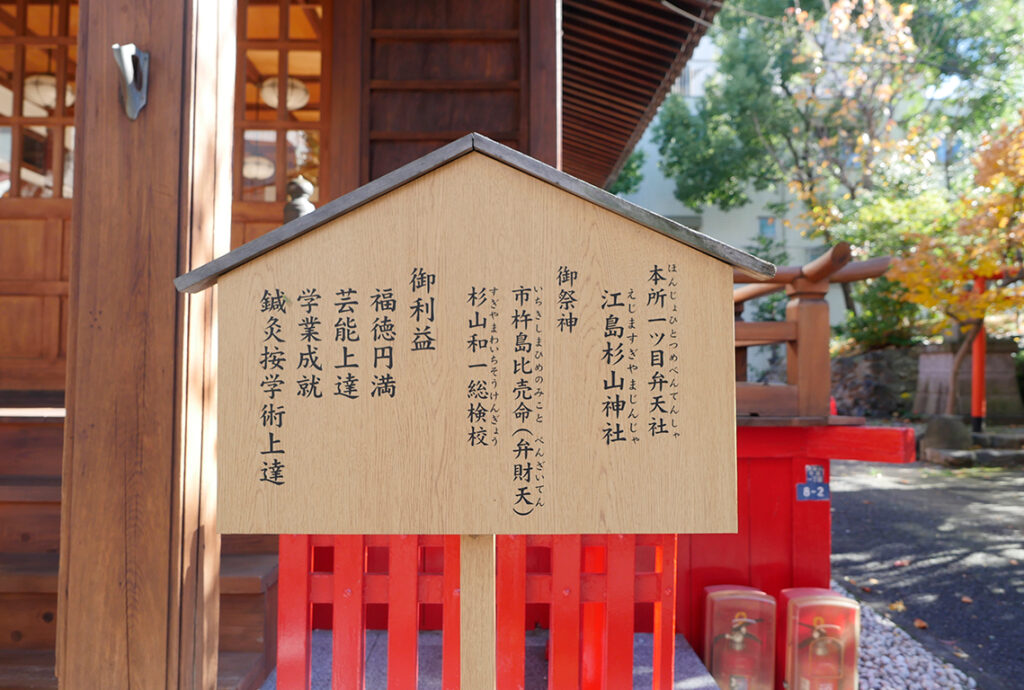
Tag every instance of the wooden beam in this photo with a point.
(314, 22)
(588, 46)
(7, 19)
(832, 265)
(587, 150)
(595, 71)
(755, 290)
(585, 117)
(445, 34)
(602, 90)
(617, 69)
(761, 399)
(33, 287)
(595, 133)
(657, 59)
(594, 130)
(862, 270)
(632, 114)
(612, 24)
(441, 136)
(138, 599)
(583, 167)
(619, 13)
(749, 333)
(647, 16)
(280, 44)
(443, 85)
(671, 73)
(586, 147)
(35, 208)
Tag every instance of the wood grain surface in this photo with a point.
(378, 464)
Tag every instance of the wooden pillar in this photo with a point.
(139, 555)
(349, 97)
(807, 358)
(545, 123)
(476, 608)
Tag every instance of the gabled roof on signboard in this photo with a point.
(207, 274)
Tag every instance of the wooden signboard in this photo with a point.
(477, 344)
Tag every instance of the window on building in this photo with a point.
(38, 57)
(767, 226)
(280, 116)
(812, 253)
(681, 86)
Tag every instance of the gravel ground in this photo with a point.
(890, 659)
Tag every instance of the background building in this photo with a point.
(739, 227)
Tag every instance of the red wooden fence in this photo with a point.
(591, 589)
(597, 589)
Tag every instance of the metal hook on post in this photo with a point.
(133, 66)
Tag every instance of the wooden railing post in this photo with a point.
(807, 358)
(741, 352)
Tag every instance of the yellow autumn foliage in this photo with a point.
(985, 241)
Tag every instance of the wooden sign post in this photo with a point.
(476, 344)
(477, 642)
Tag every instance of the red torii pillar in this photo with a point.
(978, 351)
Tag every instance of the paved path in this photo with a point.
(929, 537)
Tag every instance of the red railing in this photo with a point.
(591, 587)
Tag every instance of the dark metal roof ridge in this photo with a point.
(207, 274)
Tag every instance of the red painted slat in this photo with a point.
(721, 559)
(619, 631)
(349, 614)
(663, 661)
(871, 444)
(429, 589)
(293, 619)
(403, 612)
(538, 588)
(594, 614)
(450, 636)
(540, 540)
(684, 592)
(771, 523)
(811, 531)
(511, 611)
(321, 588)
(564, 660)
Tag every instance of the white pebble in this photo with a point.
(890, 659)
